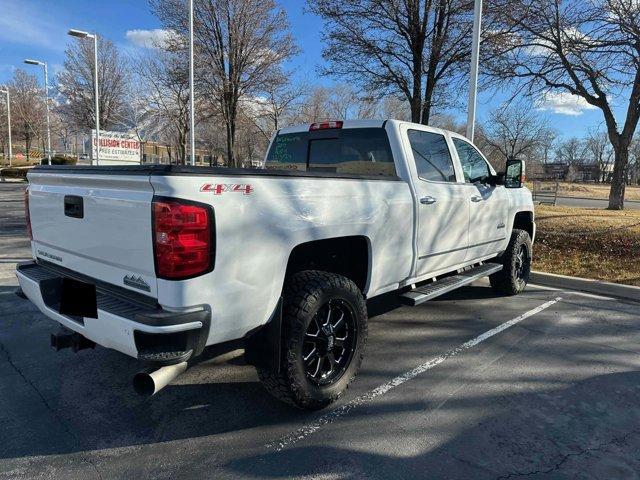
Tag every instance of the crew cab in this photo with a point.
(161, 261)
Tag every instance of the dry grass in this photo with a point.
(588, 190)
(589, 243)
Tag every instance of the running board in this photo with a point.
(440, 287)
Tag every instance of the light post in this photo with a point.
(192, 123)
(29, 61)
(6, 92)
(473, 79)
(84, 35)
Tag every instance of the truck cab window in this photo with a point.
(288, 152)
(432, 156)
(474, 167)
(355, 151)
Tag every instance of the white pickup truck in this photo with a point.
(161, 261)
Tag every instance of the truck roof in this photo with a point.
(304, 127)
(373, 123)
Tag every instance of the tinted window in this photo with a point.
(474, 167)
(356, 151)
(432, 157)
(288, 152)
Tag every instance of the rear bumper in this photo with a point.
(125, 324)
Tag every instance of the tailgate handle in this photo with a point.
(73, 206)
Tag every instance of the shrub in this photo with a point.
(11, 172)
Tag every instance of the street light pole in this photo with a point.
(94, 36)
(473, 80)
(46, 98)
(192, 107)
(6, 92)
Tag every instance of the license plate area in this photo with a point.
(78, 299)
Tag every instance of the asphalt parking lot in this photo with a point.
(469, 386)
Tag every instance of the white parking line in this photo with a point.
(575, 292)
(343, 410)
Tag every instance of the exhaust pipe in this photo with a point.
(151, 381)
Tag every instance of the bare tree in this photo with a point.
(76, 84)
(315, 107)
(590, 49)
(404, 48)
(395, 107)
(572, 151)
(634, 164)
(599, 147)
(278, 102)
(514, 130)
(162, 98)
(240, 46)
(27, 108)
(546, 144)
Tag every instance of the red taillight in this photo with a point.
(325, 125)
(183, 239)
(27, 217)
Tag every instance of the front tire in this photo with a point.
(516, 260)
(324, 328)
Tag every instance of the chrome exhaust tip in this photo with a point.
(149, 382)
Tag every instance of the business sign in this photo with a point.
(116, 148)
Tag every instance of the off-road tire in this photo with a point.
(304, 294)
(512, 280)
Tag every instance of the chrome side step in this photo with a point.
(440, 287)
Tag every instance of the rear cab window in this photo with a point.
(350, 151)
(432, 157)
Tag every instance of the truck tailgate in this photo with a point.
(96, 225)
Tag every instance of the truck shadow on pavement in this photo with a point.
(590, 429)
(60, 403)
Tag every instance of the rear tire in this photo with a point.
(324, 333)
(516, 261)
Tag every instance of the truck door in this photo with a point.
(488, 204)
(442, 204)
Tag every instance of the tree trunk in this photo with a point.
(621, 162)
(428, 99)
(230, 159)
(416, 98)
(27, 144)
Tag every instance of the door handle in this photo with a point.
(476, 198)
(428, 200)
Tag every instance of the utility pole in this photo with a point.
(6, 92)
(29, 61)
(473, 79)
(94, 36)
(192, 103)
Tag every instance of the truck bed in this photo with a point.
(168, 170)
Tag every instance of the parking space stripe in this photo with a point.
(343, 410)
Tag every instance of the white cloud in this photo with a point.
(155, 38)
(563, 103)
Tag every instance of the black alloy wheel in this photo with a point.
(329, 342)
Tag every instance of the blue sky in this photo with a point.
(37, 29)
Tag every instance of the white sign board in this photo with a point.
(116, 148)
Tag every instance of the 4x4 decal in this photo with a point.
(220, 188)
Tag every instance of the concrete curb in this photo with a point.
(597, 287)
(550, 195)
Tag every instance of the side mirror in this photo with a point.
(514, 174)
